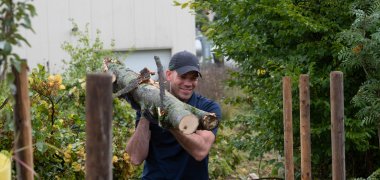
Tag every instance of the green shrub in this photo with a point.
(58, 118)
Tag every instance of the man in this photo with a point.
(168, 153)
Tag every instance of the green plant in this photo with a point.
(58, 119)
(86, 54)
(271, 39)
(374, 175)
(361, 51)
(13, 18)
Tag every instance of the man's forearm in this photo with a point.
(197, 144)
(138, 144)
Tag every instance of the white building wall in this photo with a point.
(142, 25)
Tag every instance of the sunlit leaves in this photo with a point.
(14, 17)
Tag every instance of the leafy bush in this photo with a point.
(374, 175)
(271, 39)
(58, 117)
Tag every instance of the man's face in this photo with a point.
(182, 86)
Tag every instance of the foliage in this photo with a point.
(361, 51)
(13, 18)
(86, 56)
(271, 39)
(224, 158)
(58, 119)
(374, 175)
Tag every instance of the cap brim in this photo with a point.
(186, 69)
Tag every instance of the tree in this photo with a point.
(271, 39)
(362, 42)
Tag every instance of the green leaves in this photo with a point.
(58, 115)
(86, 55)
(7, 48)
(290, 38)
(361, 52)
(14, 18)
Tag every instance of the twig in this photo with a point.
(25, 165)
(4, 103)
(161, 80)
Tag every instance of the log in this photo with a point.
(176, 114)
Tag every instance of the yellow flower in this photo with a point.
(51, 83)
(114, 159)
(126, 157)
(67, 157)
(67, 153)
(261, 72)
(58, 79)
(51, 78)
(76, 166)
(62, 87)
(69, 147)
(81, 152)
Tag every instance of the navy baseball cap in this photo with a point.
(184, 62)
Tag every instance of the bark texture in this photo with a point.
(175, 114)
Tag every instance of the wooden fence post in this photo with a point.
(23, 127)
(288, 127)
(305, 127)
(98, 126)
(337, 125)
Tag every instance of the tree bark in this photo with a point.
(176, 114)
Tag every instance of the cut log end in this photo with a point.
(188, 124)
(209, 122)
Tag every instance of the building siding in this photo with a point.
(132, 24)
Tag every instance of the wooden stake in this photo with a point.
(288, 127)
(337, 125)
(305, 127)
(23, 128)
(99, 126)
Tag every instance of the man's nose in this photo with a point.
(187, 82)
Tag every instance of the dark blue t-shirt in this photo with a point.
(167, 159)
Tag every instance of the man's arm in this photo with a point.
(197, 144)
(138, 144)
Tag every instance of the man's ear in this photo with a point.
(169, 75)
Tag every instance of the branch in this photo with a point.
(4, 103)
